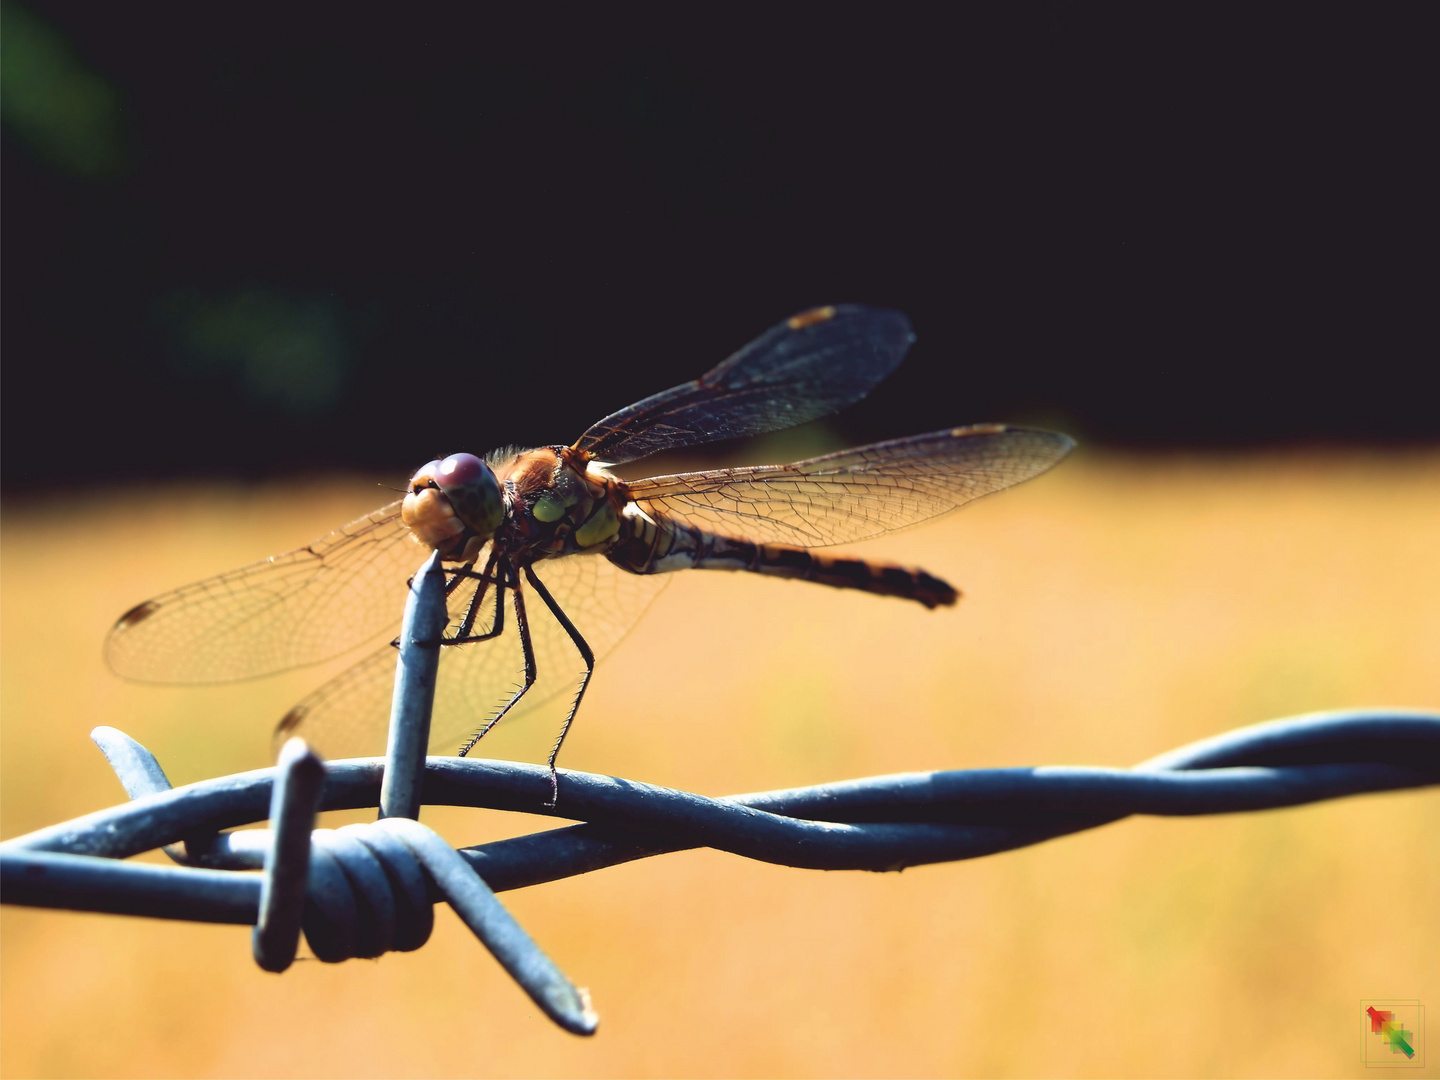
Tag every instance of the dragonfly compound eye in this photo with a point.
(449, 497)
(473, 491)
(424, 477)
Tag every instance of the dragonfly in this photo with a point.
(558, 526)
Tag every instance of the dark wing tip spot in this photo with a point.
(291, 721)
(137, 614)
(811, 317)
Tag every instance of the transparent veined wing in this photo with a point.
(298, 608)
(809, 366)
(855, 494)
(348, 716)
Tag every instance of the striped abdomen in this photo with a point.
(848, 572)
(648, 546)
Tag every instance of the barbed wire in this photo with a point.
(363, 890)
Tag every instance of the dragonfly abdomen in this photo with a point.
(654, 545)
(848, 572)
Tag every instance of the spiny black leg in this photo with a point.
(467, 624)
(497, 623)
(529, 650)
(458, 576)
(467, 573)
(464, 574)
(585, 653)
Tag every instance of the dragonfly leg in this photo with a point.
(529, 650)
(456, 577)
(463, 634)
(497, 625)
(586, 653)
(468, 573)
(449, 585)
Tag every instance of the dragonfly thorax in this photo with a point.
(556, 505)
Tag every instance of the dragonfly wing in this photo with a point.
(855, 494)
(809, 366)
(347, 716)
(298, 608)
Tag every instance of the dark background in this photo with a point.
(244, 240)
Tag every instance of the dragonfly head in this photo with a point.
(456, 497)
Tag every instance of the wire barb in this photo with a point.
(299, 778)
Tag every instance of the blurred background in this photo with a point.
(286, 241)
(259, 261)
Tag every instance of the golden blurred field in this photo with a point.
(1114, 609)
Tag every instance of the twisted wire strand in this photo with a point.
(877, 823)
(369, 888)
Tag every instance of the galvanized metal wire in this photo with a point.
(365, 889)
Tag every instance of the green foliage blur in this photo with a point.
(63, 110)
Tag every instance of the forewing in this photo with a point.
(347, 717)
(809, 366)
(301, 607)
(855, 494)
